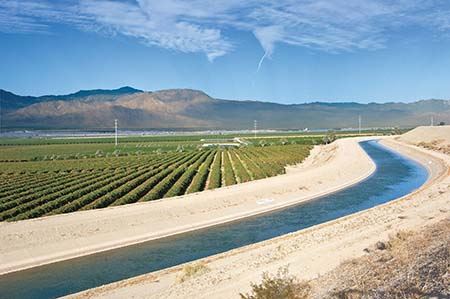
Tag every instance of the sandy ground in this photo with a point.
(29, 243)
(308, 253)
(427, 134)
(436, 138)
(411, 264)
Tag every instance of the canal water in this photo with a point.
(394, 177)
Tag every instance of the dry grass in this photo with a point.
(408, 265)
(413, 265)
(192, 270)
(439, 145)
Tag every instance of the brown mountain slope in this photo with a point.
(139, 110)
(186, 108)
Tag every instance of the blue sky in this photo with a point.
(287, 51)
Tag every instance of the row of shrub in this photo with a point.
(228, 172)
(10, 183)
(265, 162)
(56, 184)
(199, 181)
(54, 167)
(127, 186)
(23, 210)
(46, 188)
(48, 207)
(215, 176)
(165, 184)
(37, 180)
(141, 190)
(101, 197)
(108, 182)
(253, 168)
(240, 170)
(23, 204)
(48, 200)
(186, 178)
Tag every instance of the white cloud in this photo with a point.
(202, 26)
(267, 37)
(158, 25)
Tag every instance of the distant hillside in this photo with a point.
(186, 108)
(10, 101)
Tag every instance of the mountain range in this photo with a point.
(194, 109)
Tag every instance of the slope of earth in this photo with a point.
(410, 264)
(437, 138)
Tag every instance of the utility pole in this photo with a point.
(115, 135)
(359, 124)
(255, 126)
(0, 113)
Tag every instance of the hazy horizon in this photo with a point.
(286, 102)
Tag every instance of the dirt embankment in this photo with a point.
(436, 138)
(308, 253)
(410, 264)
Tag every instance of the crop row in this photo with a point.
(140, 179)
(107, 194)
(58, 166)
(199, 180)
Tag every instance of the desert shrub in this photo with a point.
(329, 138)
(415, 265)
(398, 239)
(280, 286)
(192, 270)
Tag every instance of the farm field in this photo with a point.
(40, 177)
(32, 186)
(67, 148)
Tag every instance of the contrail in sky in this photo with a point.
(261, 61)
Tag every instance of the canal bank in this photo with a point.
(394, 177)
(35, 242)
(307, 253)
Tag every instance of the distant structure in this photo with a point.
(221, 144)
(225, 142)
(255, 126)
(115, 134)
(432, 121)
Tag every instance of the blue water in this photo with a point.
(394, 177)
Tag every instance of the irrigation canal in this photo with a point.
(394, 176)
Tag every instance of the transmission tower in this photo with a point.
(359, 124)
(115, 132)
